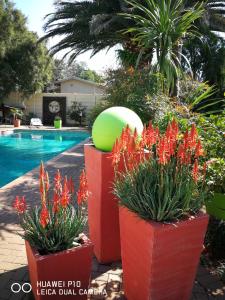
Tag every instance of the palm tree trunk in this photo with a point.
(175, 92)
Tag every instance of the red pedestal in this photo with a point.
(103, 211)
(160, 261)
(62, 275)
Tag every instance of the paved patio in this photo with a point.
(105, 278)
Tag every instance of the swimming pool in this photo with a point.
(22, 150)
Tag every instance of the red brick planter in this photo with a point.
(160, 261)
(103, 211)
(71, 270)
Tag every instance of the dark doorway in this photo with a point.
(54, 106)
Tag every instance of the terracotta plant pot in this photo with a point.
(58, 124)
(216, 207)
(70, 269)
(160, 261)
(17, 122)
(103, 211)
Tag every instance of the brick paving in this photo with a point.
(106, 279)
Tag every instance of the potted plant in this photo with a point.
(162, 227)
(58, 122)
(17, 115)
(77, 113)
(57, 250)
(215, 205)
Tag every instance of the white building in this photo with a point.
(64, 93)
(80, 86)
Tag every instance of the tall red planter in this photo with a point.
(69, 269)
(103, 211)
(160, 261)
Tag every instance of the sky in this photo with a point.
(36, 10)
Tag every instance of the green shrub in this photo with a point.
(212, 129)
(216, 175)
(140, 91)
(201, 97)
(95, 111)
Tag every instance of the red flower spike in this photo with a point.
(123, 140)
(171, 137)
(44, 217)
(143, 141)
(71, 185)
(83, 180)
(47, 182)
(186, 140)
(151, 136)
(79, 197)
(65, 199)
(156, 134)
(42, 190)
(199, 150)
(16, 202)
(116, 153)
(42, 170)
(135, 135)
(193, 137)
(181, 153)
(131, 153)
(55, 202)
(162, 151)
(195, 171)
(82, 192)
(20, 205)
(187, 158)
(57, 181)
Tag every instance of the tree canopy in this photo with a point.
(64, 70)
(99, 24)
(25, 65)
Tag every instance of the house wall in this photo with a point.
(79, 87)
(35, 103)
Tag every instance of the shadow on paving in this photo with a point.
(206, 286)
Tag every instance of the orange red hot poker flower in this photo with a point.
(20, 204)
(82, 192)
(62, 195)
(162, 147)
(44, 216)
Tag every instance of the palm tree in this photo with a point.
(97, 24)
(163, 25)
(87, 25)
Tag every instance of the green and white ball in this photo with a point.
(109, 124)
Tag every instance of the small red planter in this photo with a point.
(103, 211)
(17, 122)
(62, 275)
(160, 261)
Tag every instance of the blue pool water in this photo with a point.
(23, 150)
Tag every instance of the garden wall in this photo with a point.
(35, 103)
